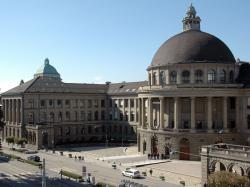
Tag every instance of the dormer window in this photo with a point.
(173, 77)
(211, 76)
(198, 76)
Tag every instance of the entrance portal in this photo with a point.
(184, 149)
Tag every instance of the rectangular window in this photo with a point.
(89, 103)
(126, 102)
(132, 103)
(89, 129)
(59, 103)
(51, 103)
(103, 115)
(89, 116)
(67, 103)
(232, 103)
(102, 103)
(95, 103)
(248, 103)
(82, 116)
(110, 103)
(75, 103)
(43, 103)
(132, 116)
(82, 103)
(30, 103)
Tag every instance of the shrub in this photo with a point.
(70, 174)
(102, 184)
(227, 179)
(162, 178)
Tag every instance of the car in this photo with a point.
(34, 158)
(30, 152)
(132, 173)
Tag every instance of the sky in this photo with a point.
(94, 41)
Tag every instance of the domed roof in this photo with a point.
(192, 46)
(47, 70)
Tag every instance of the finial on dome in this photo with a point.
(191, 21)
(46, 61)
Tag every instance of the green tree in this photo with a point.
(227, 179)
(10, 140)
(20, 141)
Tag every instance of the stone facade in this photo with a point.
(225, 157)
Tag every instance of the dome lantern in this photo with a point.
(191, 21)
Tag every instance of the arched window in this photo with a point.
(222, 76)
(198, 76)
(173, 77)
(154, 79)
(162, 78)
(185, 76)
(211, 76)
(231, 76)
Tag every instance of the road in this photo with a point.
(54, 163)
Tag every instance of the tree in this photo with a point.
(20, 141)
(10, 140)
(227, 179)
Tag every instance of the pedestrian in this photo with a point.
(83, 158)
(75, 157)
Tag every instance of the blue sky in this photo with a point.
(105, 40)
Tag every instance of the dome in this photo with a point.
(192, 46)
(47, 70)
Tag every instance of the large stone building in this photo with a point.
(196, 94)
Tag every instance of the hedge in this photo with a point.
(70, 174)
(102, 184)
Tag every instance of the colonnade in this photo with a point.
(12, 110)
(146, 113)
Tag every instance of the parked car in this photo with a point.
(132, 173)
(34, 158)
(30, 152)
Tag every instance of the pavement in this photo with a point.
(99, 160)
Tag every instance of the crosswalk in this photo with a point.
(16, 176)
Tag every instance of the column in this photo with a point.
(5, 110)
(21, 111)
(209, 113)
(237, 114)
(17, 111)
(224, 113)
(192, 113)
(13, 110)
(143, 112)
(135, 109)
(9, 110)
(167, 112)
(149, 113)
(162, 113)
(129, 110)
(123, 110)
(139, 112)
(176, 112)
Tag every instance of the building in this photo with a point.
(196, 94)
(225, 157)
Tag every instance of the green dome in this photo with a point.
(47, 70)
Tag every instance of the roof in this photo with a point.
(192, 46)
(126, 87)
(47, 70)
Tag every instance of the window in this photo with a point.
(43, 117)
(102, 103)
(95, 103)
(67, 103)
(67, 131)
(173, 77)
(51, 103)
(121, 116)
(96, 115)
(149, 79)
(211, 76)
(42, 103)
(89, 103)
(82, 131)
(126, 115)
(248, 121)
(82, 116)
(75, 103)
(59, 103)
(126, 102)
(110, 103)
(60, 116)
(30, 103)
(162, 78)
(89, 129)
(76, 115)
(110, 115)
(198, 76)
(185, 76)
(248, 103)
(231, 76)
(89, 116)
(67, 115)
(132, 116)
(52, 116)
(154, 79)
(31, 118)
(132, 103)
(82, 103)
(232, 103)
(103, 115)
(222, 76)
